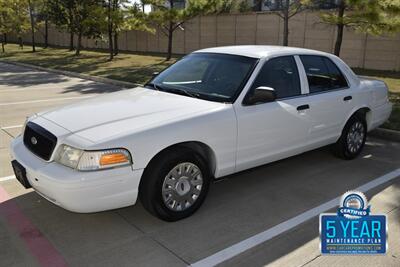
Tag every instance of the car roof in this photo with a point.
(260, 51)
(263, 51)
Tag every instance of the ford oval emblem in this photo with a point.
(33, 140)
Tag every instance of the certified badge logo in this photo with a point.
(353, 229)
(353, 205)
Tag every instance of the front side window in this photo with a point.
(280, 74)
(322, 74)
(210, 76)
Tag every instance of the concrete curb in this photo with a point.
(387, 134)
(75, 74)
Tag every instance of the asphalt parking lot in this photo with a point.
(264, 216)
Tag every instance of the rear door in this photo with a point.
(329, 97)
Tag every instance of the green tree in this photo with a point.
(110, 22)
(5, 21)
(14, 19)
(244, 7)
(32, 5)
(80, 18)
(87, 20)
(225, 6)
(143, 4)
(38, 15)
(19, 19)
(116, 13)
(42, 18)
(136, 19)
(60, 13)
(168, 17)
(119, 10)
(372, 16)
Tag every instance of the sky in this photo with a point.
(147, 8)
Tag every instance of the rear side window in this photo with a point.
(281, 74)
(322, 74)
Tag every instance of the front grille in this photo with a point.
(40, 141)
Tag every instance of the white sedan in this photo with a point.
(215, 112)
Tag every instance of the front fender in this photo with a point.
(217, 130)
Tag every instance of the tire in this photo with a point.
(162, 184)
(352, 140)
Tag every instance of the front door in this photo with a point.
(274, 130)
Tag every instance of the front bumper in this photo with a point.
(78, 191)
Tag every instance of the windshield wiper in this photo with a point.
(154, 86)
(180, 91)
(183, 91)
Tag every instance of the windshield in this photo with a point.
(215, 77)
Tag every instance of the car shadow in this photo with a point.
(30, 79)
(92, 88)
(237, 207)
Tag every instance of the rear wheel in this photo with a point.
(174, 184)
(352, 140)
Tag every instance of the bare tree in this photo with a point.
(286, 10)
(32, 20)
(168, 16)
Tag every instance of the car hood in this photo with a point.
(101, 117)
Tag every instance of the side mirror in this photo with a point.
(261, 94)
(155, 74)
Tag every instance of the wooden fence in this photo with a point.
(306, 30)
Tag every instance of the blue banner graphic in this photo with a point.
(353, 230)
(366, 235)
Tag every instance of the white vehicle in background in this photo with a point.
(215, 112)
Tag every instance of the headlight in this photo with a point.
(68, 156)
(92, 160)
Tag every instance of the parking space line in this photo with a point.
(11, 127)
(41, 248)
(23, 89)
(262, 237)
(43, 100)
(7, 178)
(84, 82)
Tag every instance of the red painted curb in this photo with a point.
(37, 244)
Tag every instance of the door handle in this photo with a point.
(347, 98)
(303, 107)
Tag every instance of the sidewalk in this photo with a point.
(386, 202)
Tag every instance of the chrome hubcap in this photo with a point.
(182, 186)
(355, 137)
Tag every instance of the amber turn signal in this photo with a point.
(114, 158)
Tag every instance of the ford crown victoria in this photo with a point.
(215, 112)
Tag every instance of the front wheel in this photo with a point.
(352, 140)
(175, 184)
